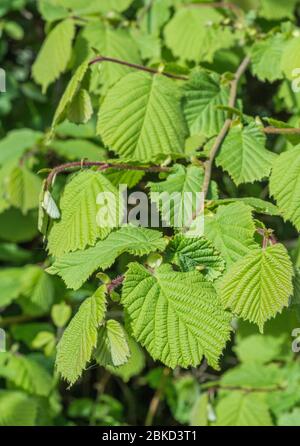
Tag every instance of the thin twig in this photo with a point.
(218, 142)
(154, 403)
(136, 66)
(283, 131)
(102, 165)
(115, 283)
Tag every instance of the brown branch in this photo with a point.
(283, 131)
(136, 66)
(102, 166)
(154, 403)
(218, 142)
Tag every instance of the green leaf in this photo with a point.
(60, 314)
(38, 288)
(159, 310)
(276, 10)
(259, 285)
(140, 118)
(244, 156)
(80, 109)
(80, 337)
(112, 348)
(195, 253)
(69, 94)
(291, 57)
(258, 205)
(133, 366)
(26, 373)
(231, 230)
(259, 349)
(202, 94)
(176, 195)
(114, 5)
(17, 409)
(10, 285)
(266, 58)
(79, 225)
(111, 42)
(56, 48)
(75, 268)
(285, 185)
(251, 376)
(23, 189)
(16, 143)
(199, 414)
(77, 149)
(243, 409)
(290, 419)
(194, 34)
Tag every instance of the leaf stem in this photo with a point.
(281, 131)
(220, 138)
(102, 166)
(136, 66)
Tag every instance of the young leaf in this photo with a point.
(112, 348)
(57, 49)
(259, 285)
(231, 230)
(38, 289)
(78, 226)
(141, 119)
(195, 253)
(285, 186)
(80, 337)
(159, 309)
(244, 156)
(16, 143)
(75, 268)
(77, 149)
(202, 94)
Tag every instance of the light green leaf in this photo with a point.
(231, 230)
(266, 58)
(23, 189)
(112, 348)
(243, 409)
(258, 205)
(285, 184)
(244, 156)
(290, 419)
(75, 268)
(159, 309)
(291, 58)
(56, 48)
(259, 285)
(194, 34)
(253, 375)
(79, 225)
(202, 94)
(276, 10)
(259, 348)
(111, 42)
(80, 337)
(60, 314)
(17, 409)
(141, 119)
(16, 143)
(80, 110)
(195, 253)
